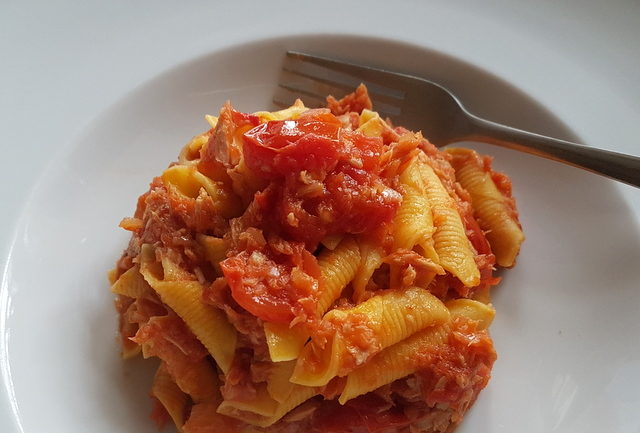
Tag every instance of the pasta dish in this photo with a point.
(316, 270)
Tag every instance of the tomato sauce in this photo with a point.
(300, 181)
(273, 285)
(324, 179)
(458, 369)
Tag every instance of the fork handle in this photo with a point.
(618, 166)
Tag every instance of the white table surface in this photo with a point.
(62, 63)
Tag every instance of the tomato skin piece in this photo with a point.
(339, 168)
(273, 286)
(221, 151)
(266, 298)
(276, 148)
(242, 119)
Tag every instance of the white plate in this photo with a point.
(566, 330)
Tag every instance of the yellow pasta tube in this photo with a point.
(112, 276)
(473, 310)
(290, 113)
(170, 396)
(262, 405)
(127, 328)
(131, 284)
(171, 271)
(191, 150)
(370, 124)
(278, 385)
(298, 395)
(381, 321)
(215, 249)
(189, 181)
(400, 360)
(395, 314)
(393, 363)
(413, 224)
(337, 269)
(454, 250)
(370, 260)
(284, 342)
(502, 230)
(208, 323)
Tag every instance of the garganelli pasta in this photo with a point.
(316, 270)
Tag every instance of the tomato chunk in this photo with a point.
(360, 202)
(272, 285)
(277, 148)
(325, 179)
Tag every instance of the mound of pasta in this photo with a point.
(316, 270)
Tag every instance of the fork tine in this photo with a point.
(280, 103)
(346, 87)
(384, 81)
(282, 100)
(286, 96)
(337, 84)
(307, 91)
(301, 89)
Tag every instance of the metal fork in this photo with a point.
(421, 104)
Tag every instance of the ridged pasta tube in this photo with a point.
(494, 217)
(393, 363)
(189, 181)
(278, 385)
(366, 329)
(403, 358)
(131, 284)
(208, 323)
(454, 250)
(413, 224)
(290, 113)
(370, 260)
(170, 396)
(337, 269)
(472, 310)
(284, 342)
(299, 394)
(371, 124)
(215, 249)
(263, 405)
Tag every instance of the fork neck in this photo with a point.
(625, 168)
